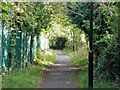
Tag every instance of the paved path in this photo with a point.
(61, 75)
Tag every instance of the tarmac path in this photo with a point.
(62, 74)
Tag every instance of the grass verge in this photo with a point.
(30, 76)
(27, 78)
(80, 58)
(82, 79)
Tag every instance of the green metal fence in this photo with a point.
(17, 48)
(0, 47)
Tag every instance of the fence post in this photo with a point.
(20, 45)
(0, 47)
(26, 49)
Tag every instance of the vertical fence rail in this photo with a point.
(0, 54)
(0, 47)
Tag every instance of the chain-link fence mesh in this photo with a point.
(18, 48)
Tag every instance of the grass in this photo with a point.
(80, 58)
(27, 78)
(82, 79)
(45, 58)
(30, 76)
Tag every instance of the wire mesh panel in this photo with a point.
(44, 43)
(23, 49)
(39, 42)
(34, 47)
(5, 39)
(28, 49)
(18, 47)
(47, 43)
(22, 54)
(13, 47)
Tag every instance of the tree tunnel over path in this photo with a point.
(29, 28)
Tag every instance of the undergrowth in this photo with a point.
(45, 58)
(80, 58)
(31, 75)
(82, 79)
(27, 78)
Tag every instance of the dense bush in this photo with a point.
(58, 43)
(109, 64)
(106, 35)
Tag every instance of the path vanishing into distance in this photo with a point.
(62, 74)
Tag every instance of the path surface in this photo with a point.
(61, 75)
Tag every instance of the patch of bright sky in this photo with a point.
(58, 30)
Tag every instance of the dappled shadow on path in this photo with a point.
(60, 75)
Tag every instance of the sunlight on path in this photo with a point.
(61, 75)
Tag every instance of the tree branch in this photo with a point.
(107, 7)
(98, 16)
(66, 6)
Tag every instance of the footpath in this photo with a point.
(62, 74)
